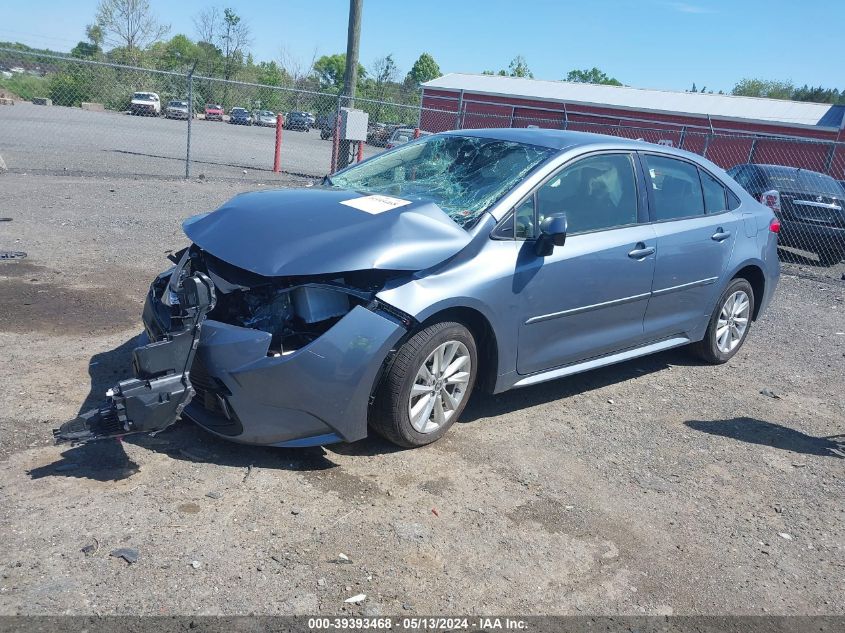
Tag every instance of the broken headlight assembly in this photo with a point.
(294, 310)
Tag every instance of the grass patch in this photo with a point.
(25, 87)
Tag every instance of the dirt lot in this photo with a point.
(658, 486)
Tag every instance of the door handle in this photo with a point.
(641, 251)
(720, 235)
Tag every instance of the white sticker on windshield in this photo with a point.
(376, 204)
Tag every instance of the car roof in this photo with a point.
(783, 168)
(565, 139)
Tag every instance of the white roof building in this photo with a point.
(695, 104)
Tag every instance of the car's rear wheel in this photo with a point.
(427, 386)
(729, 324)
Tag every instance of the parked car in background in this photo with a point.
(402, 135)
(213, 112)
(265, 118)
(378, 134)
(810, 206)
(177, 110)
(326, 124)
(298, 121)
(145, 104)
(240, 116)
(469, 260)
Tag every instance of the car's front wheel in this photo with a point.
(427, 386)
(729, 324)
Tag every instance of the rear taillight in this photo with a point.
(774, 225)
(771, 199)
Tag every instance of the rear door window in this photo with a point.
(675, 188)
(714, 193)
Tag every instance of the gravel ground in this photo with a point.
(40, 139)
(657, 486)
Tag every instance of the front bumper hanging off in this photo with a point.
(161, 389)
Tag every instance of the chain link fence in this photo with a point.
(88, 117)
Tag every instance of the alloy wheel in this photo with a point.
(439, 386)
(733, 321)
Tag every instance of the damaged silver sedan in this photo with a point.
(382, 298)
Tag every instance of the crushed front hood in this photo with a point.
(310, 232)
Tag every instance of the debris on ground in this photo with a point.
(357, 599)
(435, 512)
(214, 495)
(769, 393)
(129, 554)
(196, 564)
(4, 255)
(784, 535)
(90, 548)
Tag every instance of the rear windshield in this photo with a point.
(463, 175)
(802, 180)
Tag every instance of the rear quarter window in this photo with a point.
(715, 196)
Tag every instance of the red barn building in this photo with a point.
(726, 129)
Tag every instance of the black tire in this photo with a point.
(708, 349)
(390, 415)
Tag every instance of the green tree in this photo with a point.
(93, 47)
(178, 54)
(772, 89)
(594, 76)
(519, 68)
(235, 38)
(424, 69)
(818, 94)
(330, 69)
(129, 24)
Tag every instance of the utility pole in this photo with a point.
(350, 80)
(353, 41)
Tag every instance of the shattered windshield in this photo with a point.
(463, 175)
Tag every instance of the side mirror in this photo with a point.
(552, 233)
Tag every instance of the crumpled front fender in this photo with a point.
(323, 388)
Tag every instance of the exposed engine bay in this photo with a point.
(294, 310)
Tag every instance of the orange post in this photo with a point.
(335, 144)
(416, 132)
(277, 160)
(360, 151)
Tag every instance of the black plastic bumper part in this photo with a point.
(161, 389)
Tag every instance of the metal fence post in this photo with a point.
(190, 118)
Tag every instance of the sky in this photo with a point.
(644, 43)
